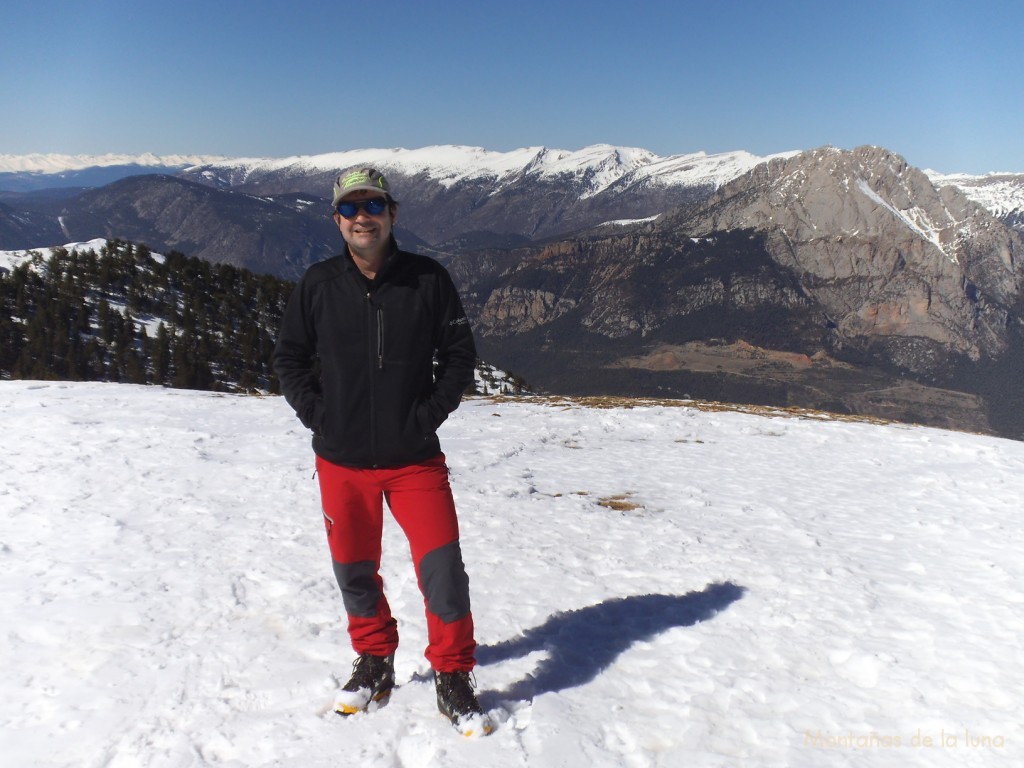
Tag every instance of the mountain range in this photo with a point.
(458, 198)
(838, 279)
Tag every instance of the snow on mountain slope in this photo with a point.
(597, 167)
(1000, 193)
(601, 165)
(57, 163)
(652, 586)
(11, 259)
(700, 168)
(916, 219)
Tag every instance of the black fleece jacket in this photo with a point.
(378, 397)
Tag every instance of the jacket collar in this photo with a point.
(391, 262)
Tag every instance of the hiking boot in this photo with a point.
(457, 701)
(368, 689)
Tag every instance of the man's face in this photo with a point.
(366, 232)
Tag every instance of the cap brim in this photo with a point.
(357, 188)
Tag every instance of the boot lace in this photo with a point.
(368, 671)
(455, 692)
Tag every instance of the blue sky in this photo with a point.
(941, 83)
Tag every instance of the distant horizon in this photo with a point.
(937, 83)
(35, 162)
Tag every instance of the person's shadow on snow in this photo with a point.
(580, 644)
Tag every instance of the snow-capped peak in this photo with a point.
(596, 167)
(57, 163)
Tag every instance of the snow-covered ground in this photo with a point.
(653, 586)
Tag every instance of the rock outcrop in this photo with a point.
(895, 262)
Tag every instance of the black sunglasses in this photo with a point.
(375, 206)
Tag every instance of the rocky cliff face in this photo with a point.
(638, 285)
(899, 266)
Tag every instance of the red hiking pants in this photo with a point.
(420, 500)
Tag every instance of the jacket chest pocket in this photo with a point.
(403, 331)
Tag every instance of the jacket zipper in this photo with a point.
(375, 313)
(373, 388)
(380, 338)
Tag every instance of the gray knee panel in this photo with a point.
(360, 590)
(445, 583)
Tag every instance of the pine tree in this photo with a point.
(161, 355)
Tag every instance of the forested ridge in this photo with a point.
(120, 313)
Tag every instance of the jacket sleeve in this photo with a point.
(454, 350)
(295, 359)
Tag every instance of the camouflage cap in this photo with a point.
(359, 178)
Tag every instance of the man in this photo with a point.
(395, 354)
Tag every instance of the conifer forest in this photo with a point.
(123, 314)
